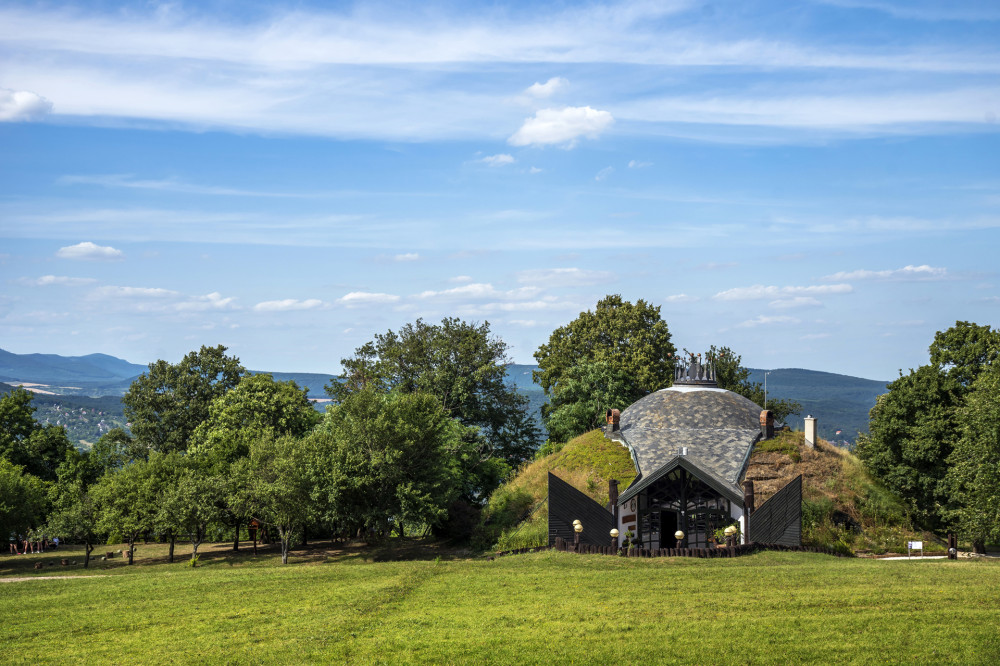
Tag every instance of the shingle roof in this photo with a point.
(718, 428)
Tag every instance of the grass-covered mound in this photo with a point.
(518, 515)
(842, 505)
(542, 608)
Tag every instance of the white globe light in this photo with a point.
(578, 527)
(678, 535)
(614, 534)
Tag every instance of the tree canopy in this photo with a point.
(167, 403)
(630, 337)
(461, 364)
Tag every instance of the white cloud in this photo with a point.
(564, 277)
(288, 304)
(213, 301)
(408, 256)
(111, 291)
(604, 173)
(156, 299)
(636, 164)
(534, 170)
(357, 299)
(547, 89)
(460, 279)
(681, 298)
(561, 126)
(923, 272)
(526, 323)
(18, 105)
(498, 160)
(764, 320)
(795, 302)
(759, 291)
(47, 280)
(89, 251)
(479, 290)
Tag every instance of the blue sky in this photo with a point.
(814, 184)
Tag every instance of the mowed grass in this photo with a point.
(535, 608)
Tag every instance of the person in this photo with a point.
(55, 543)
(13, 546)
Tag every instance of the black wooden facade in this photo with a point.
(567, 504)
(779, 519)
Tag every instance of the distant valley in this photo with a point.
(83, 393)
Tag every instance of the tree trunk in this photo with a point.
(171, 552)
(131, 550)
(236, 538)
(286, 536)
(86, 550)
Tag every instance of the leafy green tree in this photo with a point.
(25, 442)
(396, 460)
(189, 503)
(167, 403)
(256, 408)
(74, 516)
(916, 425)
(23, 500)
(127, 499)
(276, 488)
(974, 473)
(461, 364)
(585, 393)
(732, 376)
(631, 338)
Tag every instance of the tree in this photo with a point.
(396, 459)
(732, 376)
(167, 403)
(189, 503)
(257, 407)
(631, 338)
(74, 516)
(974, 473)
(461, 364)
(25, 442)
(23, 500)
(585, 393)
(127, 499)
(276, 488)
(914, 427)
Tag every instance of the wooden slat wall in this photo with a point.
(567, 504)
(779, 519)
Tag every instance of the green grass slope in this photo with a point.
(517, 514)
(541, 608)
(842, 505)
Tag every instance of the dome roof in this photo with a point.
(711, 428)
(689, 407)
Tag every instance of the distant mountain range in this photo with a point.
(86, 385)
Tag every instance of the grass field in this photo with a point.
(348, 606)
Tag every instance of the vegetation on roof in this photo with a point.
(517, 513)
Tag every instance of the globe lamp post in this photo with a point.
(614, 538)
(679, 535)
(577, 527)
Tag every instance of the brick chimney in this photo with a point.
(766, 424)
(614, 419)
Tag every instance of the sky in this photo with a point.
(814, 184)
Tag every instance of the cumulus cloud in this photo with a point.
(89, 251)
(923, 272)
(547, 89)
(526, 323)
(111, 291)
(565, 277)
(357, 299)
(18, 105)
(764, 320)
(796, 302)
(636, 164)
(408, 256)
(680, 298)
(288, 304)
(498, 160)
(63, 280)
(759, 291)
(561, 126)
(604, 173)
(158, 300)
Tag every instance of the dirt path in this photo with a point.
(25, 579)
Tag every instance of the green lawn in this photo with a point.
(536, 608)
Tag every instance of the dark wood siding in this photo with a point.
(567, 504)
(779, 519)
